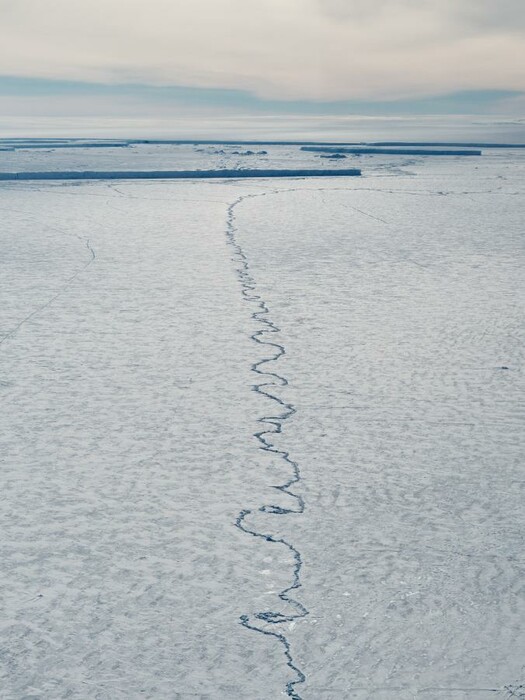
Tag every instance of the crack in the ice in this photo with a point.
(273, 426)
(62, 289)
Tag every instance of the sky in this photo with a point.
(206, 58)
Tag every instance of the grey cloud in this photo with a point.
(461, 15)
(492, 15)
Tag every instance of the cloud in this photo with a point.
(277, 49)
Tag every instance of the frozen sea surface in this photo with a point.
(41, 156)
(128, 446)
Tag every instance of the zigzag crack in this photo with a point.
(273, 426)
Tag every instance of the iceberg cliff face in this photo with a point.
(177, 174)
(412, 151)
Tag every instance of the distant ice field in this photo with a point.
(128, 423)
(38, 156)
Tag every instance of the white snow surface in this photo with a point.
(128, 420)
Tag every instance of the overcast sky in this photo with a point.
(273, 50)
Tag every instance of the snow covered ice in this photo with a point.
(128, 429)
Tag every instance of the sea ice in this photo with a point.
(128, 423)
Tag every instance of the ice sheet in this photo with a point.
(401, 311)
(128, 425)
(126, 422)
